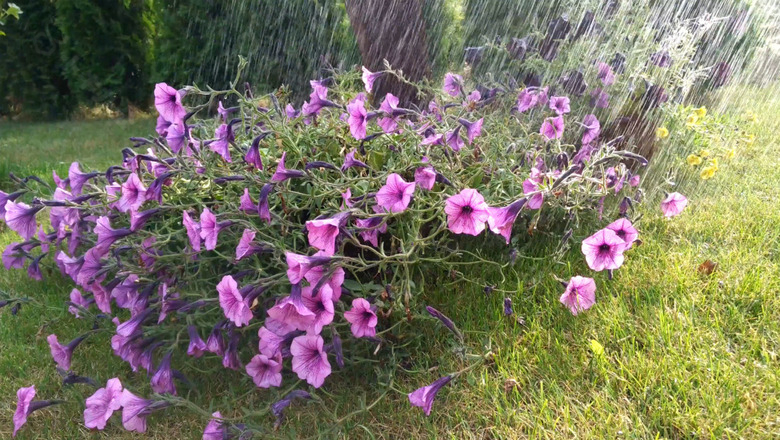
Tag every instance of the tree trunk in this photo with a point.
(393, 30)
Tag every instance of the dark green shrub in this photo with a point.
(105, 49)
(31, 80)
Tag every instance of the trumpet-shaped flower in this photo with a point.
(102, 404)
(265, 371)
(310, 361)
(603, 250)
(362, 318)
(232, 302)
(396, 194)
(674, 204)
(552, 128)
(580, 294)
(167, 101)
(467, 212)
(424, 397)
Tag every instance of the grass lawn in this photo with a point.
(685, 355)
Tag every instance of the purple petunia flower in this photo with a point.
(371, 228)
(14, 256)
(362, 318)
(592, 129)
(527, 100)
(277, 408)
(508, 307)
(321, 305)
(473, 129)
(310, 361)
(134, 411)
(318, 99)
(246, 203)
(580, 294)
(603, 250)
(425, 177)
(272, 335)
(368, 78)
(634, 180)
(210, 228)
(247, 247)
(661, 58)
(25, 406)
(552, 128)
(162, 380)
(358, 117)
(102, 404)
(161, 128)
(454, 140)
(197, 346)
(292, 312)
(77, 178)
(193, 231)
(560, 105)
(389, 123)
(323, 232)
(252, 156)
(433, 139)
(299, 265)
(221, 143)
(176, 136)
(62, 353)
(20, 217)
(215, 343)
(133, 194)
(674, 204)
(282, 173)
(167, 101)
(605, 74)
(396, 194)
(467, 212)
(230, 358)
(599, 98)
(233, 304)
(453, 84)
(77, 300)
(91, 266)
(214, 429)
(623, 228)
(350, 161)
(106, 236)
(424, 397)
(501, 220)
(24, 397)
(265, 372)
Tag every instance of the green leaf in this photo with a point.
(13, 10)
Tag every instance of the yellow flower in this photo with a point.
(715, 163)
(704, 153)
(701, 112)
(750, 139)
(694, 160)
(661, 132)
(692, 121)
(730, 154)
(707, 172)
(750, 116)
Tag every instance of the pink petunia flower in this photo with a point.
(134, 411)
(167, 101)
(62, 353)
(102, 404)
(623, 228)
(358, 117)
(424, 397)
(603, 250)
(24, 397)
(362, 318)
(580, 294)
(369, 78)
(232, 302)
(265, 371)
(501, 220)
(453, 84)
(552, 128)
(467, 212)
(396, 194)
(133, 194)
(560, 105)
(592, 129)
(674, 204)
(310, 360)
(323, 232)
(20, 217)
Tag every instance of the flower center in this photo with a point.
(467, 209)
(605, 248)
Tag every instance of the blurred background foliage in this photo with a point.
(65, 54)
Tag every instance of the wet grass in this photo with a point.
(686, 355)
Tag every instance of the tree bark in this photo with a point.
(393, 30)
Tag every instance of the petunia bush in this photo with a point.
(282, 240)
